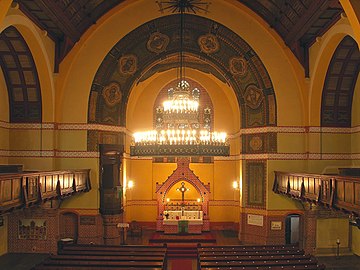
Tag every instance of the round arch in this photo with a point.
(324, 50)
(42, 51)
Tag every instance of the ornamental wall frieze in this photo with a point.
(101, 127)
(262, 156)
(157, 42)
(209, 43)
(128, 65)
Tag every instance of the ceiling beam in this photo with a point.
(57, 15)
(316, 8)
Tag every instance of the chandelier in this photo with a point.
(178, 131)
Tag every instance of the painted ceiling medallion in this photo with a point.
(128, 64)
(253, 96)
(157, 42)
(209, 43)
(112, 94)
(238, 66)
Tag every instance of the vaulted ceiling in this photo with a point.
(298, 22)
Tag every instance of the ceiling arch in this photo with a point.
(207, 43)
(21, 77)
(339, 85)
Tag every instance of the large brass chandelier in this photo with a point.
(178, 131)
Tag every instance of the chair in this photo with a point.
(135, 229)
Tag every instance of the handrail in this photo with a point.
(19, 190)
(334, 191)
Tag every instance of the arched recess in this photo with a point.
(21, 77)
(338, 90)
(68, 225)
(42, 49)
(182, 173)
(208, 46)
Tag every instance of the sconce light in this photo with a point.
(235, 185)
(130, 184)
(167, 199)
(198, 200)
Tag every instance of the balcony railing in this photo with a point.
(334, 191)
(20, 190)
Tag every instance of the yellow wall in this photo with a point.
(328, 230)
(4, 118)
(355, 247)
(4, 236)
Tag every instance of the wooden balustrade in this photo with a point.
(334, 191)
(19, 190)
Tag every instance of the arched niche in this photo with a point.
(152, 48)
(183, 174)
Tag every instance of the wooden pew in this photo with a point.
(291, 267)
(253, 257)
(252, 253)
(103, 263)
(78, 257)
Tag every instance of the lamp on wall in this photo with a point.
(235, 185)
(178, 131)
(130, 184)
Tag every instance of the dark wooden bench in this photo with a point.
(78, 257)
(248, 248)
(252, 258)
(113, 248)
(122, 257)
(289, 267)
(285, 262)
(54, 267)
(252, 253)
(103, 263)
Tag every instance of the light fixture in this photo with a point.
(130, 184)
(178, 131)
(235, 185)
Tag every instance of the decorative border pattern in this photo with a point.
(120, 129)
(255, 130)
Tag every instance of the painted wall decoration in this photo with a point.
(238, 66)
(32, 229)
(255, 181)
(157, 42)
(208, 43)
(128, 65)
(208, 47)
(112, 94)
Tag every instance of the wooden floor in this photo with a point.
(26, 261)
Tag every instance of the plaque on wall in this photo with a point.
(87, 220)
(256, 220)
(276, 225)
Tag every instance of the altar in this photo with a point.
(185, 221)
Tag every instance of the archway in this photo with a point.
(292, 229)
(200, 209)
(68, 224)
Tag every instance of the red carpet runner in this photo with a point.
(181, 264)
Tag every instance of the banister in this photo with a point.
(24, 189)
(336, 191)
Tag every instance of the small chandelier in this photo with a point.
(178, 131)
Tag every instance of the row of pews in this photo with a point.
(96, 257)
(273, 257)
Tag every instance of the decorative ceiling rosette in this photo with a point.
(157, 42)
(208, 43)
(128, 65)
(253, 96)
(238, 66)
(112, 94)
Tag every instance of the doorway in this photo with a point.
(292, 229)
